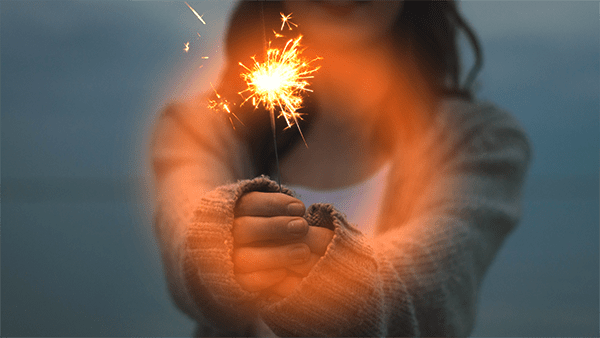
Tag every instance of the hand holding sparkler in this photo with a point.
(274, 248)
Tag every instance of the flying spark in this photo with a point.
(197, 15)
(187, 47)
(285, 19)
(222, 105)
(280, 81)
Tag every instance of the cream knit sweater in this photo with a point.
(445, 214)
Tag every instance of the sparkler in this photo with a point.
(279, 82)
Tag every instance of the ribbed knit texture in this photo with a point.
(445, 214)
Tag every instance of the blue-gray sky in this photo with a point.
(81, 82)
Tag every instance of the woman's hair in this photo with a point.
(427, 29)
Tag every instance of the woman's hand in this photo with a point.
(267, 231)
(274, 248)
(317, 240)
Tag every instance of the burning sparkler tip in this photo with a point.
(279, 81)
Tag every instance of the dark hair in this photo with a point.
(427, 29)
(431, 29)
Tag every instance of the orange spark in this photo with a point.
(197, 15)
(198, 34)
(279, 81)
(222, 105)
(187, 47)
(205, 57)
(277, 35)
(285, 19)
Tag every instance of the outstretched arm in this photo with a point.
(420, 275)
(193, 152)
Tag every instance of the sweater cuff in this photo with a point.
(207, 256)
(341, 292)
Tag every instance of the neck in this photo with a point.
(345, 141)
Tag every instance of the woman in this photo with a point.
(435, 178)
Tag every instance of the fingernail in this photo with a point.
(298, 226)
(300, 254)
(295, 209)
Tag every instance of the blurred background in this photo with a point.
(81, 84)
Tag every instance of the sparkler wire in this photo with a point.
(272, 110)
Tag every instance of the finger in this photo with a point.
(249, 259)
(268, 204)
(304, 268)
(287, 286)
(248, 229)
(318, 239)
(260, 280)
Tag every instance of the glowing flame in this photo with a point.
(222, 105)
(285, 19)
(279, 81)
(197, 15)
(186, 48)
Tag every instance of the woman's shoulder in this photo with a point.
(481, 125)
(463, 114)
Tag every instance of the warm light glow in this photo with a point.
(279, 81)
(186, 48)
(197, 15)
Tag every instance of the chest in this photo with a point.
(333, 162)
(361, 203)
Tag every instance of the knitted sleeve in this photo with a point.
(420, 275)
(194, 152)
